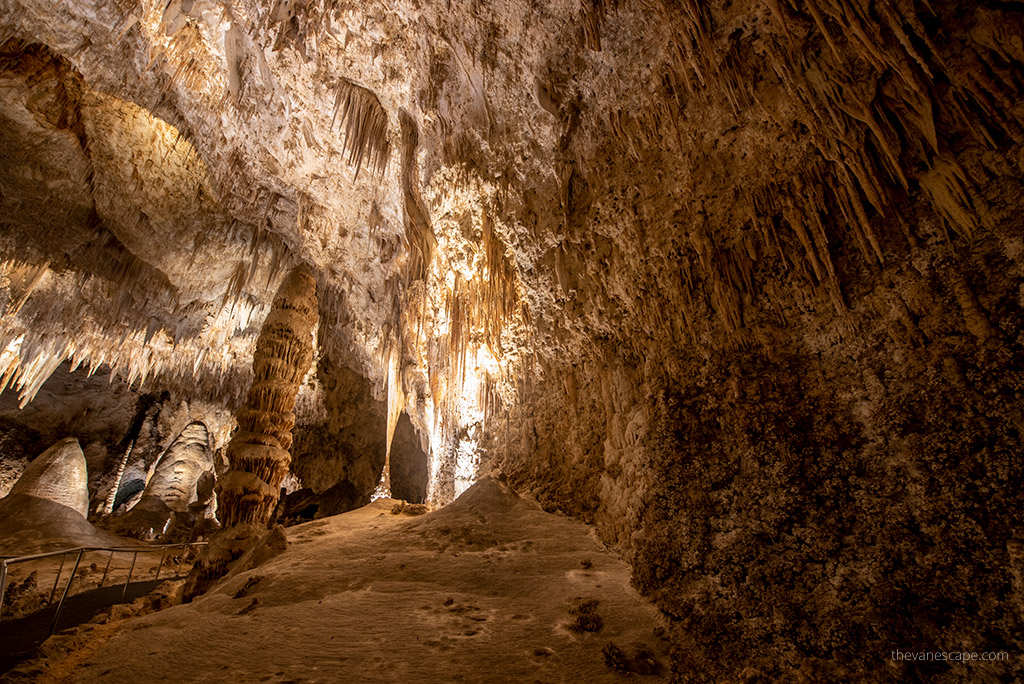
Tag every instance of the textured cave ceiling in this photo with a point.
(490, 195)
(506, 183)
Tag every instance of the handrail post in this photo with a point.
(67, 587)
(130, 570)
(106, 569)
(3, 586)
(63, 556)
(159, 567)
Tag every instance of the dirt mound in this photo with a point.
(29, 525)
(487, 497)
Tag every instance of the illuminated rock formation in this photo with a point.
(59, 474)
(258, 453)
(179, 469)
(174, 484)
(737, 281)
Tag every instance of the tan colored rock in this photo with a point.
(740, 281)
(59, 474)
(188, 457)
(258, 453)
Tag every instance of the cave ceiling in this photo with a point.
(486, 193)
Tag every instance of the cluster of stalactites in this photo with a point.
(42, 326)
(885, 92)
(258, 453)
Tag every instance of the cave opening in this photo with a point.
(410, 470)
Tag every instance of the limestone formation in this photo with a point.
(348, 441)
(179, 469)
(739, 282)
(258, 452)
(409, 464)
(59, 474)
(165, 504)
(31, 525)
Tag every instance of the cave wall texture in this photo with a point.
(738, 281)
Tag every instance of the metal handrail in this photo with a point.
(82, 550)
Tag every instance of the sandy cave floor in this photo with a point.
(481, 590)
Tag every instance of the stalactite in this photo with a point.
(500, 297)
(258, 453)
(975, 317)
(365, 124)
(591, 18)
(22, 280)
(879, 92)
(418, 233)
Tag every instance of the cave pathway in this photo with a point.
(489, 588)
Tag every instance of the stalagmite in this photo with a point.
(172, 488)
(176, 474)
(737, 281)
(258, 452)
(58, 474)
(395, 406)
(108, 503)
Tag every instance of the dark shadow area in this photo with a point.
(409, 470)
(341, 458)
(19, 639)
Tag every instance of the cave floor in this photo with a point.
(488, 588)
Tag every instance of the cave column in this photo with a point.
(258, 454)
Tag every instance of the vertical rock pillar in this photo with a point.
(258, 453)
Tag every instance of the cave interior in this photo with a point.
(581, 339)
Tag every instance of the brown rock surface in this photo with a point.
(480, 591)
(31, 525)
(179, 469)
(258, 453)
(741, 282)
(177, 483)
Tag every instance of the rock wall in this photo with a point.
(410, 466)
(795, 399)
(343, 440)
(340, 435)
(832, 507)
